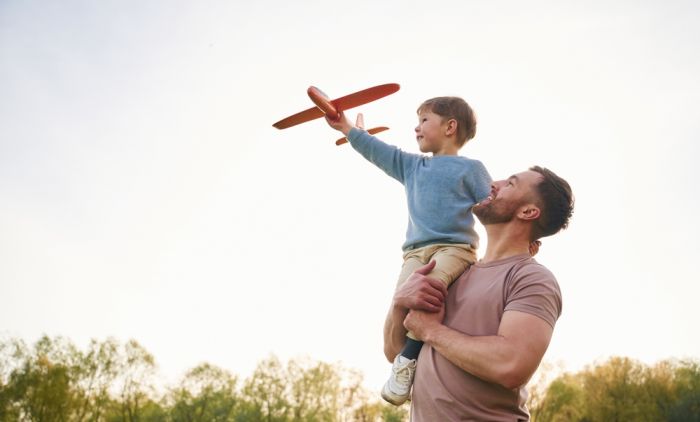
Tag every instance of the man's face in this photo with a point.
(506, 197)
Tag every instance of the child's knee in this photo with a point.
(449, 273)
(444, 276)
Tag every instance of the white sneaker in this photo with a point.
(397, 389)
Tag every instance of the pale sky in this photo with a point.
(144, 193)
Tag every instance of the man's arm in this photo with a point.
(417, 292)
(394, 331)
(508, 358)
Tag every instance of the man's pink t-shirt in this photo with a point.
(475, 305)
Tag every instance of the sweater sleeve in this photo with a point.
(480, 181)
(389, 158)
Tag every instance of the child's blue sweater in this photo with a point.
(440, 190)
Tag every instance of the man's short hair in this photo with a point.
(556, 202)
(453, 108)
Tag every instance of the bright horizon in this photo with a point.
(144, 193)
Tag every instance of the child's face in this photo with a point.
(431, 133)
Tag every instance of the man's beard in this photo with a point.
(495, 212)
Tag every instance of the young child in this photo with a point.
(441, 190)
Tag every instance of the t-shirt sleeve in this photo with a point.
(534, 290)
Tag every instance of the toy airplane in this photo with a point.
(332, 108)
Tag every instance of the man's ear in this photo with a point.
(451, 127)
(529, 212)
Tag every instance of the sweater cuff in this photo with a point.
(354, 133)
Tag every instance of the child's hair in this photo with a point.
(453, 108)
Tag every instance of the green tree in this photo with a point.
(564, 401)
(135, 369)
(12, 354)
(314, 391)
(310, 391)
(614, 389)
(659, 388)
(95, 372)
(686, 407)
(622, 389)
(40, 388)
(112, 382)
(264, 393)
(206, 393)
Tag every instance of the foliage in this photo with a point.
(55, 381)
(206, 393)
(622, 389)
(52, 380)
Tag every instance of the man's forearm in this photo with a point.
(394, 332)
(508, 358)
(486, 357)
(418, 292)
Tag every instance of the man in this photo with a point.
(488, 339)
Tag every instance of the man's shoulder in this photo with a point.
(532, 288)
(529, 269)
(531, 264)
(531, 276)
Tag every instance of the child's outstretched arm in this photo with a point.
(387, 157)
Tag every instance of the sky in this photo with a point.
(144, 193)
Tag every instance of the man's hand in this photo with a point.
(534, 247)
(420, 323)
(421, 292)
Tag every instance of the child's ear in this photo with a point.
(451, 127)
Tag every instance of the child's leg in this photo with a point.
(412, 260)
(398, 387)
(450, 262)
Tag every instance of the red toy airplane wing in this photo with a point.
(333, 106)
(365, 96)
(304, 116)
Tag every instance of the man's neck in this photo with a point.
(503, 242)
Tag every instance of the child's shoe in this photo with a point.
(397, 389)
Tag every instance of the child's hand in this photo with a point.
(342, 123)
(360, 123)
